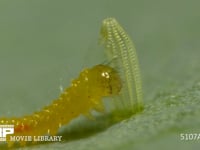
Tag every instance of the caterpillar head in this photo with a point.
(104, 80)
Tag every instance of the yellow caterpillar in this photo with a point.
(85, 93)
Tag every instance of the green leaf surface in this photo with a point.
(44, 44)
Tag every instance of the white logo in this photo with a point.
(5, 130)
(9, 129)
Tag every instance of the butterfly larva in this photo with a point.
(121, 51)
(85, 93)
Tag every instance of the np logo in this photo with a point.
(5, 130)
